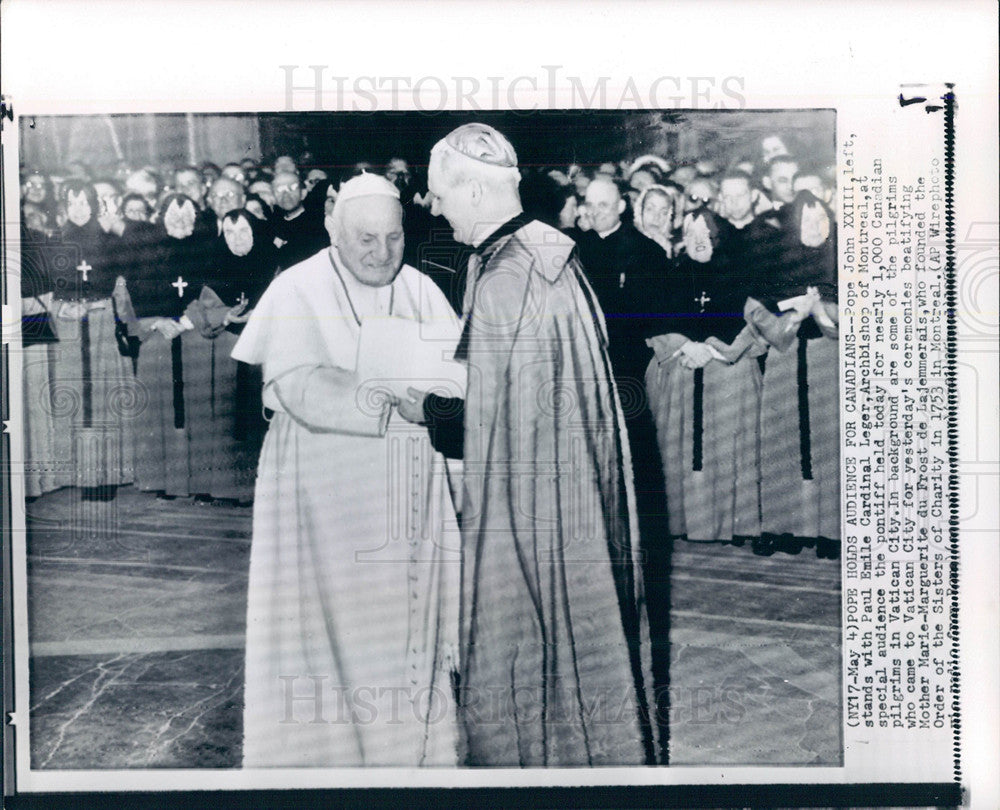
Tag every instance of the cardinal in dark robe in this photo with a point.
(630, 274)
(793, 308)
(553, 619)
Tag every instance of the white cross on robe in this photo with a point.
(702, 300)
(180, 284)
(84, 268)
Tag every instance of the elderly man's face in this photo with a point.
(779, 181)
(605, 204)
(288, 191)
(737, 202)
(190, 184)
(369, 239)
(451, 201)
(226, 195)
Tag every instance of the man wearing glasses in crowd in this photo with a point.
(226, 195)
(299, 232)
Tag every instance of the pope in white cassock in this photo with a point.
(352, 604)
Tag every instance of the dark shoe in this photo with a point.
(763, 546)
(105, 492)
(827, 549)
(790, 545)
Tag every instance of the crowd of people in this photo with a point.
(651, 354)
(724, 275)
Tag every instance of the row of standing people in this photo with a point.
(129, 378)
(140, 386)
(740, 396)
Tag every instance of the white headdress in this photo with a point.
(649, 160)
(364, 185)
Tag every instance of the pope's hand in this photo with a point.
(411, 407)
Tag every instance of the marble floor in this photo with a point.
(137, 622)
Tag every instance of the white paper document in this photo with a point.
(396, 354)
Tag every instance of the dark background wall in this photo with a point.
(556, 137)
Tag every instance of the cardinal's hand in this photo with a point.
(411, 407)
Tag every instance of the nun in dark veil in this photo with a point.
(704, 390)
(92, 383)
(793, 308)
(226, 414)
(164, 276)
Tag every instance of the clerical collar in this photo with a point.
(606, 234)
(512, 225)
